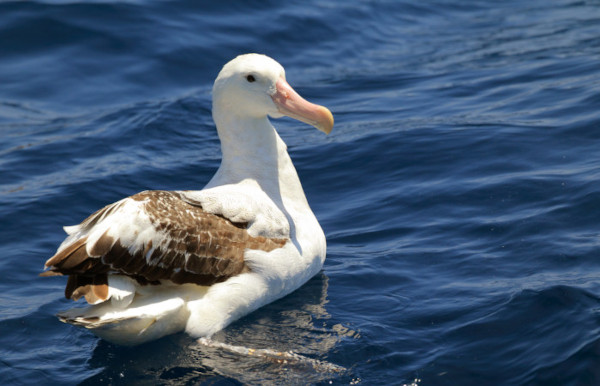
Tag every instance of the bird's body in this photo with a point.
(160, 262)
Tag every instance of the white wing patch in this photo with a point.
(243, 203)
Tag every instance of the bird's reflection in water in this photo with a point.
(296, 323)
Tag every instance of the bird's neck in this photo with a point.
(254, 152)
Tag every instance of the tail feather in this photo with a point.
(146, 318)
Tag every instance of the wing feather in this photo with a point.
(153, 236)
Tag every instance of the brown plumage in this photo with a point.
(187, 245)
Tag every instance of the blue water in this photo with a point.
(459, 190)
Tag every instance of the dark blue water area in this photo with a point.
(459, 190)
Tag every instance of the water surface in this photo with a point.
(458, 191)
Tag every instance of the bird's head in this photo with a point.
(254, 86)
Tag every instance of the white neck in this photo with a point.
(254, 152)
(255, 156)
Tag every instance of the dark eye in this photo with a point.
(250, 78)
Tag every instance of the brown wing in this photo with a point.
(172, 239)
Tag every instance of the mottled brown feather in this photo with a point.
(102, 246)
(65, 253)
(75, 258)
(199, 248)
(100, 214)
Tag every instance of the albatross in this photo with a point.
(161, 262)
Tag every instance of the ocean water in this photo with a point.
(459, 190)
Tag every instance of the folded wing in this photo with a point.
(153, 237)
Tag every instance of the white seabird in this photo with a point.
(161, 262)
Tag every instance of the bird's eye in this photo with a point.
(250, 78)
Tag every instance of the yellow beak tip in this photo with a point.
(326, 124)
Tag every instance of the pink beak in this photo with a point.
(291, 104)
